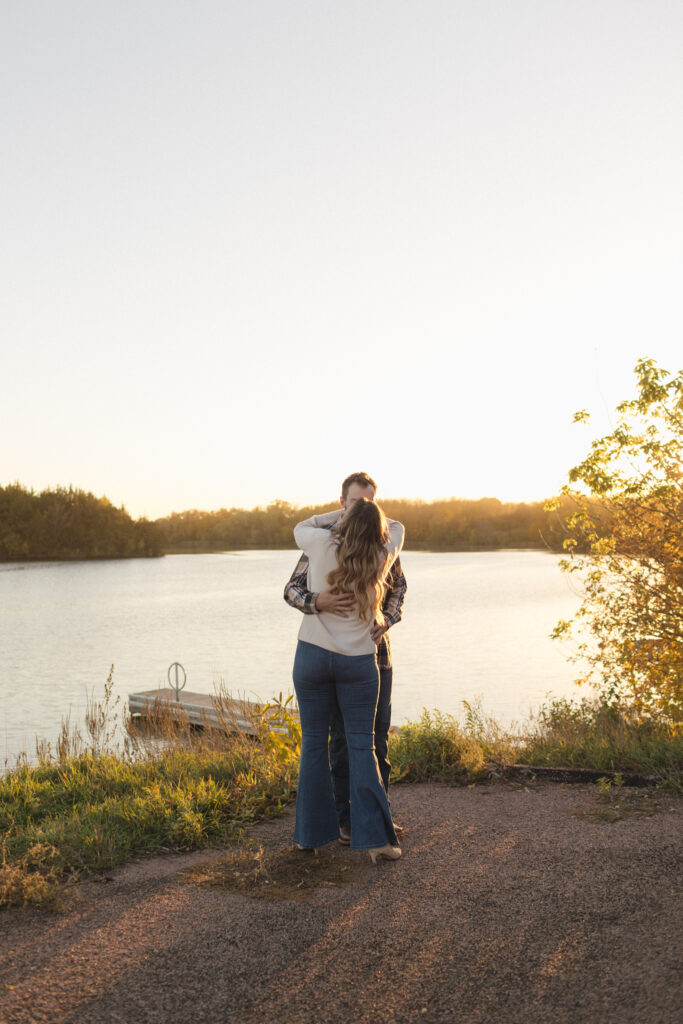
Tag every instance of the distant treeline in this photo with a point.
(68, 524)
(453, 524)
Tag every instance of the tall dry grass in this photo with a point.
(124, 789)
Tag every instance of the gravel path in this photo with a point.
(506, 908)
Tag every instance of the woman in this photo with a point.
(335, 656)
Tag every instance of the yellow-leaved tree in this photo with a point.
(625, 544)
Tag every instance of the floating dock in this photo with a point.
(199, 709)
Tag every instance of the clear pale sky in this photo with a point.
(249, 247)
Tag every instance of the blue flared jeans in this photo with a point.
(322, 677)
(339, 754)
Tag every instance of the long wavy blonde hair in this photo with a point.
(363, 558)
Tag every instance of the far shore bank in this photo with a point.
(68, 523)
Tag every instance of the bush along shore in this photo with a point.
(93, 803)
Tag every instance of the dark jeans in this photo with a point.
(339, 752)
(321, 678)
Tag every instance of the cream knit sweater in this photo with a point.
(343, 635)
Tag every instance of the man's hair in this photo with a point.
(357, 478)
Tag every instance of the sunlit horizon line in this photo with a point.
(326, 502)
(381, 501)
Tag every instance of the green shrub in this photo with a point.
(440, 747)
(599, 735)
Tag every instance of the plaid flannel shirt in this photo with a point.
(300, 597)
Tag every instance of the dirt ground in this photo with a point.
(512, 904)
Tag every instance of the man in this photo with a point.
(297, 594)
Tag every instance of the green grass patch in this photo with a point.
(92, 812)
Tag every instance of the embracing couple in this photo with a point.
(350, 587)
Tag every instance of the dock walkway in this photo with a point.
(202, 709)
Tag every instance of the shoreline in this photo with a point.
(188, 550)
(91, 808)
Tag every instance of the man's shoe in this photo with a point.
(344, 835)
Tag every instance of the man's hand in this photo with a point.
(334, 602)
(377, 632)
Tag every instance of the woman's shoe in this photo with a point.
(304, 849)
(344, 835)
(387, 852)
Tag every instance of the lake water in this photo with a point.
(475, 625)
